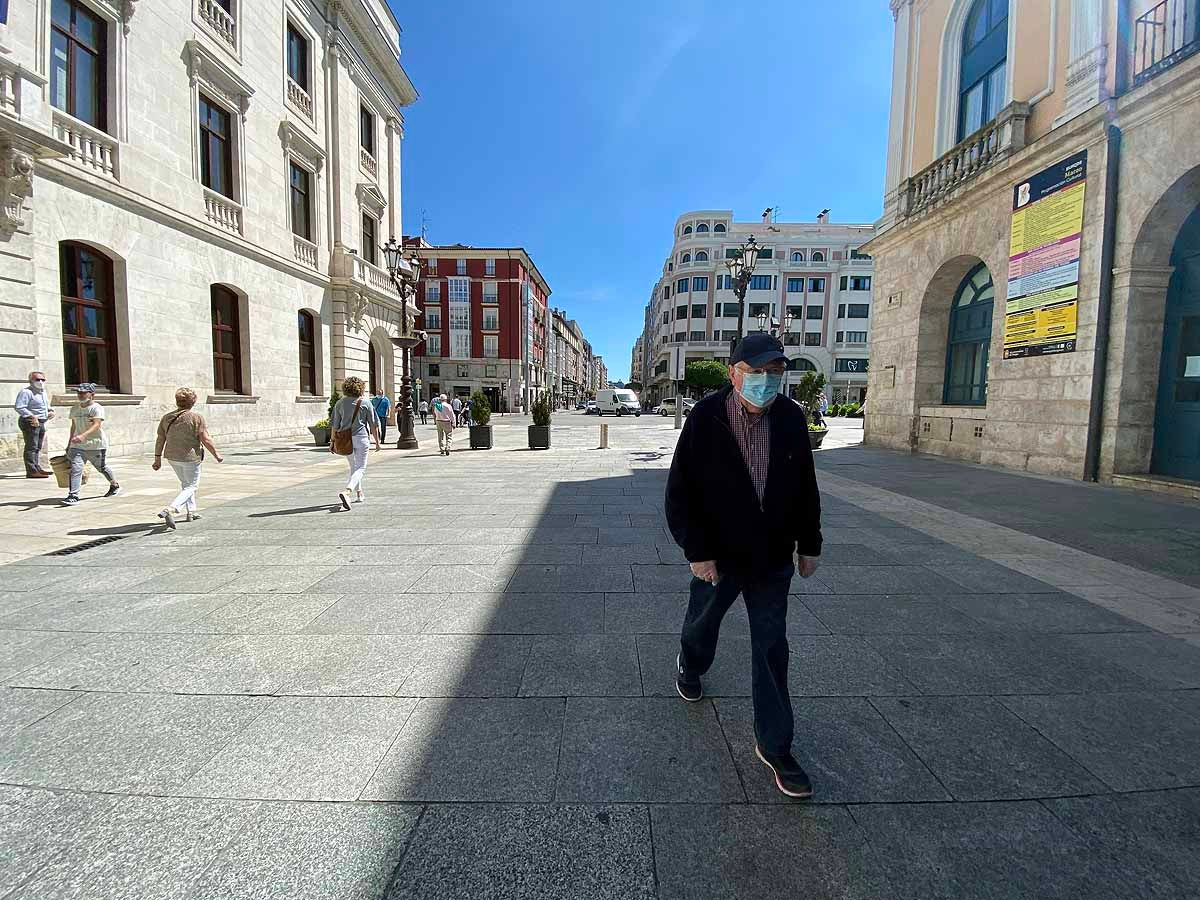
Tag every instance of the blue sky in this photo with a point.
(581, 131)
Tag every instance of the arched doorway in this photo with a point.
(1177, 413)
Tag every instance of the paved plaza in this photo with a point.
(464, 687)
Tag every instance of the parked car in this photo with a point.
(618, 402)
(590, 407)
(582, 404)
(667, 407)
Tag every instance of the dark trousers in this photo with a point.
(382, 431)
(766, 604)
(424, 416)
(34, 435)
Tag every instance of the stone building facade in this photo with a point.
(194, 194)
(1073, 350)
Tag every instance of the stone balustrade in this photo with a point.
(367, 161)
(305, 251)
(299, 98)
(222, 212)
(222, 24)
(90, 148)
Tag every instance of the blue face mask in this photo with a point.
(760, 389)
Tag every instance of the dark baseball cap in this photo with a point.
(757, 350)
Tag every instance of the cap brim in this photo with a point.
(757, 362)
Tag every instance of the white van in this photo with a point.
(617, 402)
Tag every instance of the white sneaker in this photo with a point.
(344, 499)
(168, 516)
(360, 499)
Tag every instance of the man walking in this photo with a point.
(423, 409)
(88, 443)
(457, 406)
(382, 406)
(33, 411)
(742, 503)
(444, 418)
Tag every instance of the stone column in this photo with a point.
(1089, 52)
(393, 197)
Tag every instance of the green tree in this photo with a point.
(808, 392)
(481, 410)
(705, 374)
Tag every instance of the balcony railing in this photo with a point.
(372, 276)
(299, 98)
(991, 144)
(222, 212)
(91, 148)
(223, 25)
(306, 251)
(10, 88)
(1164, 36)
(367, 161)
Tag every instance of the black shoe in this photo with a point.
(113, 490)
(71, 500)
(689, 688)
(789, 777)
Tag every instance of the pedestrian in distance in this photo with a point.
(742, 502)
(466, 413)
(457, 406)
(33, 412)
(423, 411)
(182, 439)
(87, 443)
(382, 406)
(353, 425)
(445, 418)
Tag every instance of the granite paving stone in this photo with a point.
(661, 578)
(125, 742)
(277, 580)
(22, 650)
(1134, 741)
(983, 576)
(529, 853)
(766, 852)
(890, 614)
(512, 613)
(1160, 659)
(264, 614)
(728, 677)
(455, 579)
(644, 751)
(20, 707)
(370, 579)
(239, 664)
(36, 826)
(114, 662)
(568, 579)
(850, 752)
(379, 612)
(856, 579)
(980, 750)
(374, 665)
(842, 665)
(473, 750)
(593, 665)
(187, 580)
(304, 748)
(1045, 612)
(473, 665)
(859, 555)
(142, 612)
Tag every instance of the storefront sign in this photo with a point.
(1042, 304)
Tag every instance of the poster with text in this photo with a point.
(1042, 304)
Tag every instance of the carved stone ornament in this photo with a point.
(127, 10)
(357, 310)
(16, 183)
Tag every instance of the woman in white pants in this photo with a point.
(355, 414)
(182, 439)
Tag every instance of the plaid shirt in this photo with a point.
(753, 433)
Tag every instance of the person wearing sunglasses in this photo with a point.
(33, 411)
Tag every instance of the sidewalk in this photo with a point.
(464, 688)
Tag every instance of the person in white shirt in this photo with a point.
(33, 411)
(88, 443)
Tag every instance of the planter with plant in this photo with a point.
(320, 430)
(481, 415)
(539, 431)
(808, 394)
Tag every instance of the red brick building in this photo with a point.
(484, 309)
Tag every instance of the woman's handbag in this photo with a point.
(343, 438)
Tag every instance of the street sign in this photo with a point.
(678, 364)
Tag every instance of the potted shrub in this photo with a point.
(320, 431)
(808, 394)
(481, 415)
(539, 431)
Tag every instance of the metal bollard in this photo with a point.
(603, 437)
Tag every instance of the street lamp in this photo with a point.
(405, 273)
(741, 267)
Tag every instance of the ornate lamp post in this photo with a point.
(741, 267)
(405, 272)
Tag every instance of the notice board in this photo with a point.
(1042, 305)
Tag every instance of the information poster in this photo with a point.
(1042, 304)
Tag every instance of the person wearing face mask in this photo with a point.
(742, 503)
(33, 410)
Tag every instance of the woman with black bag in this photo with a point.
(352, 424)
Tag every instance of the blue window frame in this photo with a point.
(687, 258)
(725, 282)
(760, 282)
(970, 337)
(701, 256)
(700, 283)
(681, 286)
(701, 228)
(795, 286)
(984, 65)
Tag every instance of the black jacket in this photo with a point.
(712, 507)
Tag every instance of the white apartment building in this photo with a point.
(635, 360)
(810, 282)
(194, 192)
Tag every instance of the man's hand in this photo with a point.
(218, 457)
(49, 415)
(808, 565)
(706, 571)
(77, 439)
(156, 465)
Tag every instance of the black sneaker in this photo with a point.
(113, 490)
(71, 500)
(789, 777)
(689, 688)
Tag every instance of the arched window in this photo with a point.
(307, 331)
(701, 256)
(88, 317)
(226, 340)
(818, 256)
(797, 257)
(687, 229)
(970, 336)
(687, 258)
(983, 66)
(701, 228)
(718, 228)
(372, 368)
(799, 364)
